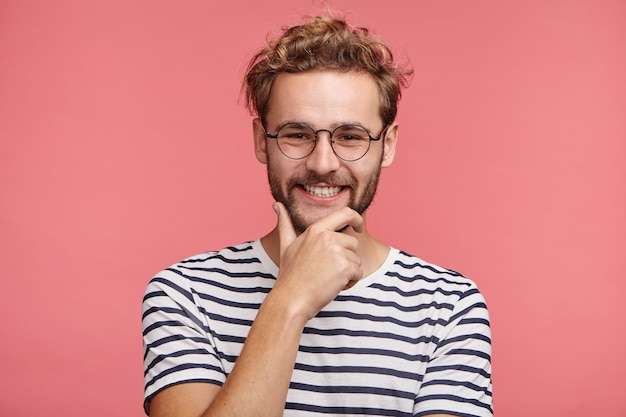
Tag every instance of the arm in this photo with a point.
(303, 287)
(268, 356)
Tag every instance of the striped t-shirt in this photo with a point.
(411, 339)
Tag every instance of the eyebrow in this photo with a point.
(331, 127)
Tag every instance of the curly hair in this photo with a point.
(325, 43)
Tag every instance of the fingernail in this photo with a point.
(275, 207)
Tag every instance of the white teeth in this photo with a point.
(322, 191)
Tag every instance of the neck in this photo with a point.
(371, 251)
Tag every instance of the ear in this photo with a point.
(260, 141)
(389, 145)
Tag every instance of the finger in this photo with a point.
(353, 219)
(340, 220)
(357, 270)
(348, 242)
(286, 232)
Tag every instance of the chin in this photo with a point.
(301, 223)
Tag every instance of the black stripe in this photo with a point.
(454, 383)
(476, 336)
(252, 306)
(253, 274)
(363, 351)
(412, 278)
(418, 292)
(456, 399)
(373, 370)
(157, 324)
(470, 352)
(168, 283)
(179, 311)
(182, 367)
(467, 310)
(474, 320)
(360, 411)
(374, 334)
(397, 306)
(348, 389)
(425, 266)
(176, 354)
(459, 367)
(218, 257)
(381, 319)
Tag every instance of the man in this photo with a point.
(317, 317)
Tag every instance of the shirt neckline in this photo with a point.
(272, 268)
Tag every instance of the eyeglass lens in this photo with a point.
(349, 142)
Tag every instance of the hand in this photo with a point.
(318, 264)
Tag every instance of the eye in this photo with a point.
(350, 134)
(349, 137)
(296, 135)
(296, 132)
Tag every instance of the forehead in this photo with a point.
(325, 98)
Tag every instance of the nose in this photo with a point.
(323, 159)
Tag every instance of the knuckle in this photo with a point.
(326, 237)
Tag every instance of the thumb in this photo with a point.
(286, 232)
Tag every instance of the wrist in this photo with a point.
(282, 306)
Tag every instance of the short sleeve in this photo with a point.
(458, 377)
(177, 343)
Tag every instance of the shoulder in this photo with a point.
(410, 268)
(243, 253)
(432, 283)
(230, 258)
(208, 269)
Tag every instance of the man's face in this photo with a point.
(315, 186)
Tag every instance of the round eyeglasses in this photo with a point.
(349, 142)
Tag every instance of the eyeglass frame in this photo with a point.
(330, 138)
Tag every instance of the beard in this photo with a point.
(298, 219)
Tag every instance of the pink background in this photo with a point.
(124, 149)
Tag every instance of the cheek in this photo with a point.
(366, 177)
(367, 170)
(278, 171)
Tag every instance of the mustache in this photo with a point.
(312, 178)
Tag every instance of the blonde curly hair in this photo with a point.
(326, 43)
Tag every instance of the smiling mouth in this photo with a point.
(322, 191)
